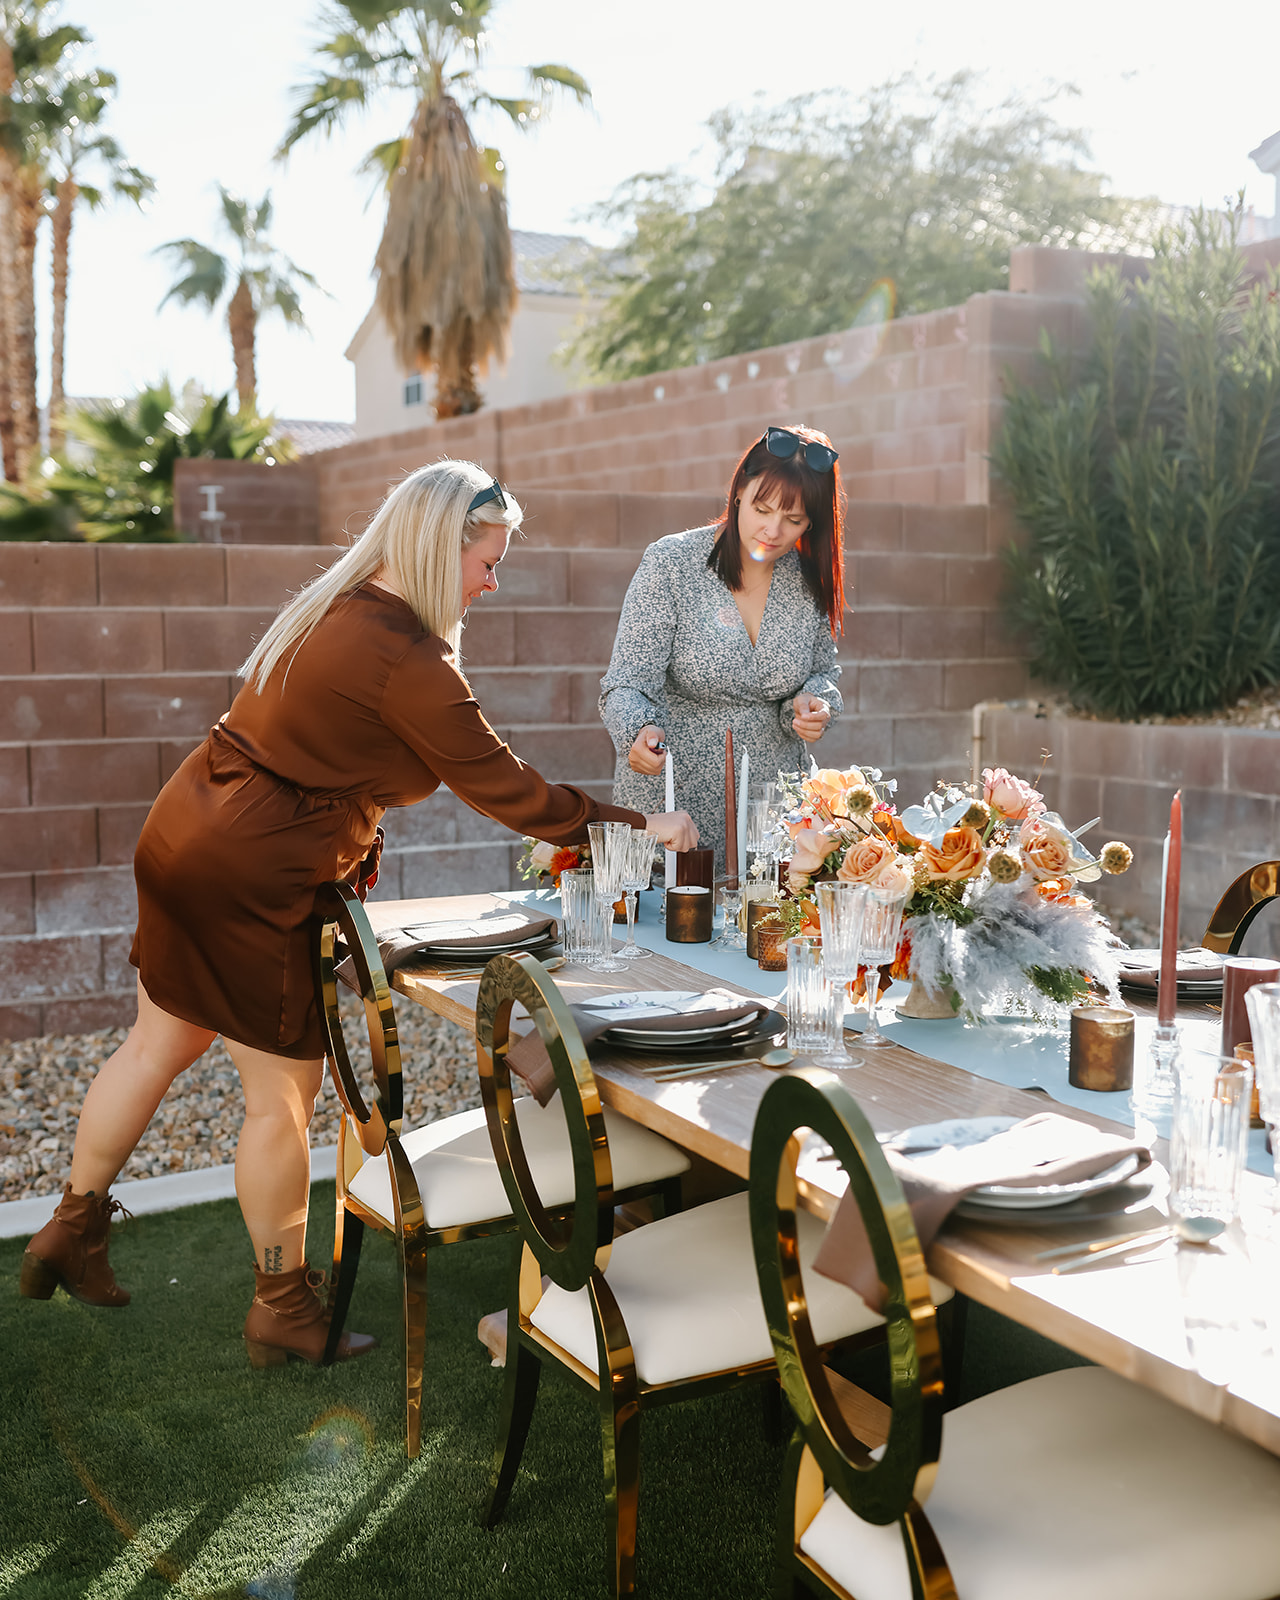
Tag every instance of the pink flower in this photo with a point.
(810, 848)
(1012, 797)
(1047, 852)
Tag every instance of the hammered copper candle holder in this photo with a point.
(771, 947)
(756, 909)
(1101, 1050)
(690, 913)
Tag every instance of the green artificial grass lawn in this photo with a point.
(141, 1456)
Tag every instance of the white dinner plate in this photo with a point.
(1022, 1197)
(456, 951)
(679, 1035)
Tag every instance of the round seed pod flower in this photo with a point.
(1115, 857)
(977, 816)
(860, 800)
(1005, 866)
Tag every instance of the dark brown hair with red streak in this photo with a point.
(821, 546)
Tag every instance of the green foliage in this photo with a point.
(818, 199)
(118, 483)
(204, 276)
(1148, 483)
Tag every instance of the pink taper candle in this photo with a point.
(1168, 999)
(730, 813)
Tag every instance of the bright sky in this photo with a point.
(1174, 99)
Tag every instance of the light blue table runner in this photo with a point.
(1013, 1051)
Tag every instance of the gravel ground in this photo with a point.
(43, 1082)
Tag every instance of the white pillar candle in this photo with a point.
(744, 776)
(669, 874)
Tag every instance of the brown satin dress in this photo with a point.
(286, 794)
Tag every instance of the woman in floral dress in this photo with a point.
(733, 626)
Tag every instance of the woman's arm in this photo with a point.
(633, 692)
(429, 705)
(821, 683)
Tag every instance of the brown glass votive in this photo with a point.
(1101, 1050)
(755, 910)
(771, 947)
(696, 866)
(690, 911)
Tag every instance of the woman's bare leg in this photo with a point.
(130, 1085)
(273, 1162)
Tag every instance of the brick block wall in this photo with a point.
(1126, 774)
(259, 504)
(117, 659)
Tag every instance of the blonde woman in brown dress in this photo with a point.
(354, 701)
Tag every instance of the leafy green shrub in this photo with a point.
(1147, 481)
(116, 480)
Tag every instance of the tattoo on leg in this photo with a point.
(273, 1258)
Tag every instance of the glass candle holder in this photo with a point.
(771, 947)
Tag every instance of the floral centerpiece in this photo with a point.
(993, 918)
(540, 861)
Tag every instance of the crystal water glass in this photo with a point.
(1263, 1005)
(637, 870)
(610, 842)
(1209, 1142)
(580, 914)
(841, 908)
(881, 927)
(815, 1005)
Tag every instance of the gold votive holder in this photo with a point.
(771, 947)
(756, 909)
(1101, 1049)
(690, 913)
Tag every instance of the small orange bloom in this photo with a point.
(959, 856)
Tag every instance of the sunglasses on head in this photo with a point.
(781, 442)
(493, 492)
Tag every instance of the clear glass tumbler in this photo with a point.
(815, 1005)
(580, 913)
(1209, 1143)
(610, 842)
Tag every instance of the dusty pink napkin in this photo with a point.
(400, 946)
(528, 1057)
(1140, 969)
(1043, 1149)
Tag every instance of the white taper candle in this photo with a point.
(669, 874)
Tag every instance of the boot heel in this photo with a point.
(265, 1355)
(38, 1279)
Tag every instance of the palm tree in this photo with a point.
(33, 71)
(264, 279)
(446, 283)
(74, 144)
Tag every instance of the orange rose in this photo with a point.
(864, 861)
(829, 787)
(1058, 890)
(1046, 852)
(959, 856)
(898, 831)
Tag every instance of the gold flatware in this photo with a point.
(694, 1069)
(1094, 1245)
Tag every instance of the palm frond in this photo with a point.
(322, 106)
(552, 78)
(205, 277)
(235, 213)
(385, 160)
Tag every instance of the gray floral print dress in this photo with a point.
(683, 660)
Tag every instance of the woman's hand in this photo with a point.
(644, 755)
(810, 717)
(676, 829)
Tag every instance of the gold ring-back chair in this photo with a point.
(1074, 1483)
(662, 1313)
(1242, 902)
(437, 1184)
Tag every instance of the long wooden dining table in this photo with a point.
(1189, 1322)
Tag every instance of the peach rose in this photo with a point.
(959, 856)
(864, 860)
(1046, 852)
(895, 877)
(829, 787)
(1012, 797)
(810, 847)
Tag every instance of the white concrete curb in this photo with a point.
(20, 1217)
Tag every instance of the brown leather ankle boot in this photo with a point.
(71, 1250)
(288, 1317)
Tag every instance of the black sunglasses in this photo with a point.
(493, 492)
(781, 442)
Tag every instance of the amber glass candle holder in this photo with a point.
(771, 947)
(1101, 1049)
(757, 909)
(690, 914)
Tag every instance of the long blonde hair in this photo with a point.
(417, 535)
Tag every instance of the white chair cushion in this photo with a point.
(688, 1292)
(1078, 1484)
(458, 1178)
